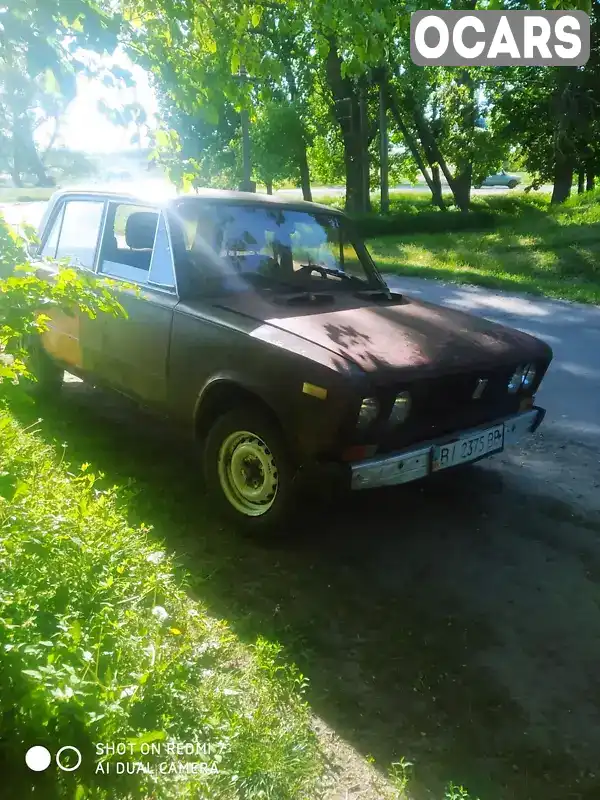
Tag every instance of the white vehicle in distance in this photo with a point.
(502, 178)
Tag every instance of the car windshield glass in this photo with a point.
(277, 248)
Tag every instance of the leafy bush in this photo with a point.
(27, 301)
(99, 643)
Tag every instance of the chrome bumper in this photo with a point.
(415, 462)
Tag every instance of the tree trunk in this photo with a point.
(364, 155)
(564, 157)
(26, 155)
(305, 174)
(303, 157)
(589, 179)
(413, 146)
(434, 154)
(436, 189)
(347, 113)
(581, 180)
(462, 187)
(563, 178)
(384, 164)
(269, 185)
(464, 167)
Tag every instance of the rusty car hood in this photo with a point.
(380, 337)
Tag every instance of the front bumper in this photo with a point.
(415, 462)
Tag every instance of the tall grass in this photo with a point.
(100, 644)
(533, 247)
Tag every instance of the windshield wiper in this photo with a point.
(335, 273)
(308, 297)
(384, 293)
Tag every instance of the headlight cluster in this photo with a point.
(368, 413)
(370, 409)
(522, 378)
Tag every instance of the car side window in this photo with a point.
(50, 245)
(80, 231)
(128, 242)
(162, 268)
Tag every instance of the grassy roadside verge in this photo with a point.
(100, 643)
(535, 249)
(26, 195)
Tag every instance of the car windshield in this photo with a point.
(274, 248)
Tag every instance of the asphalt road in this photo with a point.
(419, 188)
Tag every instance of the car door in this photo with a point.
(73, 232)
(136, 253)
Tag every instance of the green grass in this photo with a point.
(392, 671)
(101, 642)
(26, 195)
(535, 248)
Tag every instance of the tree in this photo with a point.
(40, 54)
(278, 144)
(332, 57)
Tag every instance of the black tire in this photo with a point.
(249, 440)
(477, 186)
(512, 184)
(47, 374)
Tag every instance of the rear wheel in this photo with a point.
(47, 377)
(249, 472)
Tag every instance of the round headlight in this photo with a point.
(368, 413)
(516, 380)
(528, 376)
(401, 408)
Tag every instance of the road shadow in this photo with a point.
(386, 601)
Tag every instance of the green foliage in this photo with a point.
(99, 643)
(455, 792)
(27, 301)
(277, 142)
(399, 775)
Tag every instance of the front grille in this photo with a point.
(446, 404)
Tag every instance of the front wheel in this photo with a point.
(512, 184)
(249, 473)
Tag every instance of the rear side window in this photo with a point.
(136, 246)
(80, 231)
(128, 242)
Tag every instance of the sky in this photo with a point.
(86, 128)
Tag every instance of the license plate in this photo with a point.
(468, 448)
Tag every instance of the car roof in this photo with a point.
(200, 196)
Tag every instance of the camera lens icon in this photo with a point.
(68, 767)
(38, 758)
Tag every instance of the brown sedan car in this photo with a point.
(264, 328)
